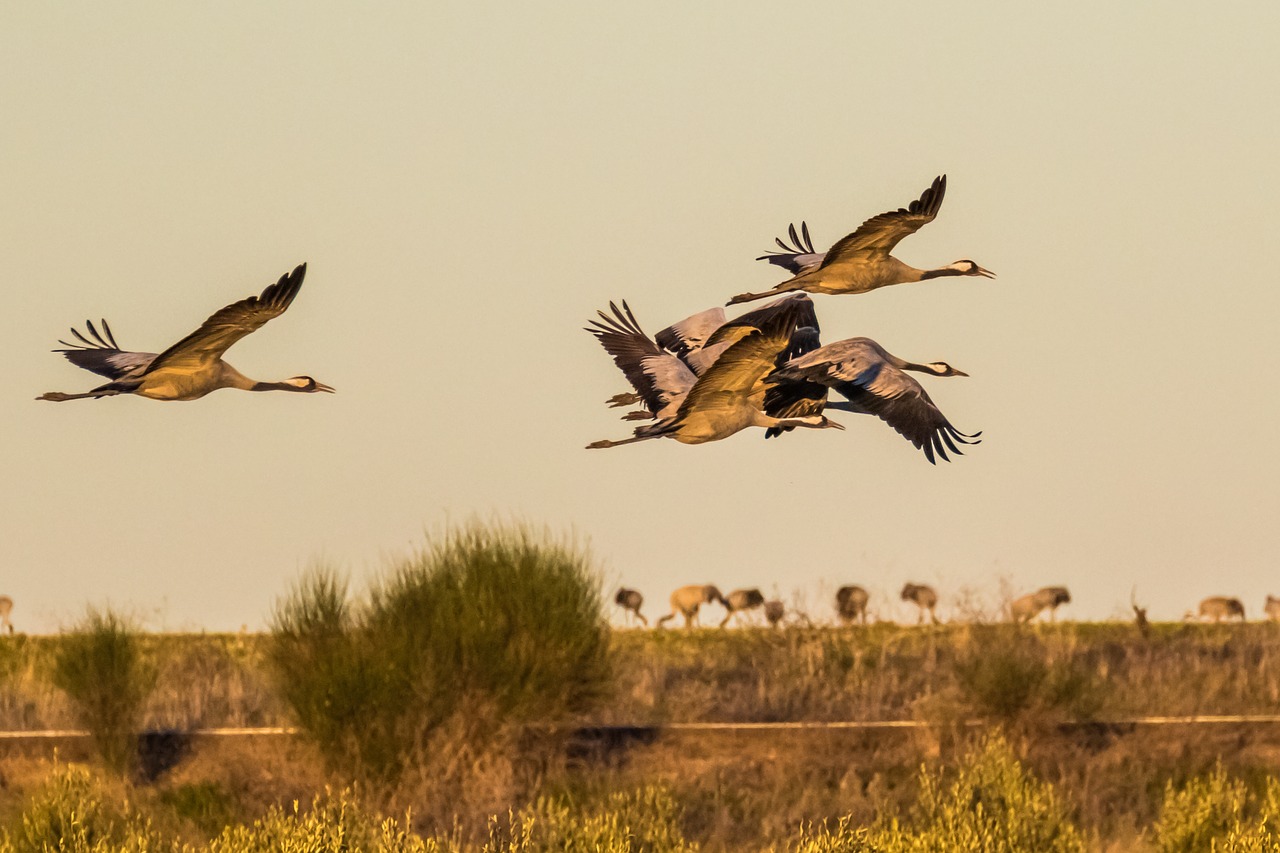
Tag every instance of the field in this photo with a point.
(1060, 695)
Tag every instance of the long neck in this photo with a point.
(940, 272)
(272, 386)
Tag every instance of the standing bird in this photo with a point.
(740, 601)
(1029, 606)
(6, 608)
(729, 396)
(193, 366)
(630, 600)
(861, 261)
(923, 597)
(874, 382)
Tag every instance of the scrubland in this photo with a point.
(475, 700)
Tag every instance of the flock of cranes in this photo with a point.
(851, 605)
(708, 377)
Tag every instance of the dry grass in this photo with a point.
(735, 790)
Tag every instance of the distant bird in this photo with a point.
(873, 381)
(740, 601)
(1272, 608)
(851, 603)
(860, 261)
(6, 608)
(923, 597)
(193, 366)
(687, 600)
(774, 610)
(729, 396)
(1027, 607)
(1219, 607)
(630, 600)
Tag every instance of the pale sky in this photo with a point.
(469, 182)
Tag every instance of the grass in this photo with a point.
(985, 799)
(107, 675)
(733, 791)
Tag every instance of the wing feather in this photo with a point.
(103, 355)
(228, 325)
(881, 233)
(660, 378)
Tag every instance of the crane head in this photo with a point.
(941, 368)
(968, 267)
(308, 385)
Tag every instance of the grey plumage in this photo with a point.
(860, 261)
(873, 381)
(729, 395)
(193, 366)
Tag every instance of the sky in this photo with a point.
(470, 182)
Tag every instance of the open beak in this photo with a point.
(320, 386)
(986, 273)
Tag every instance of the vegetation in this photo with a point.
(103, 669)
(347, 659)
(489, 627)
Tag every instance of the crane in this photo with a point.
(193, 366)
(860, 261)
(874, 382)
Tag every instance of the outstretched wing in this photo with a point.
(688, 339)
(756, 342)
(228, 325)
(859, 370)
(798, 256)
(881, 233)
(659, 377)
(99, 352)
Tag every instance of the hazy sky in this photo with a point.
(469, 182)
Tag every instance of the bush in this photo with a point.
(102, 668)
(646, 820)
(75, 812)
(1216, 812)
(334, 824)
(991, 805)
(1010, 676)
(490, 626)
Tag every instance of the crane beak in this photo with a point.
(320, 386)
(986, 273)
(955, 372)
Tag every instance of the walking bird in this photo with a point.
(729, 395)
(861, 261)
(873, 381)
(193, 366)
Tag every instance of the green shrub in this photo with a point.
(991, 805)
(646, 820)
(1217, 812)
(495, 625)
(1011, 676)
(75, 812)
(101, 666)
(333, 824)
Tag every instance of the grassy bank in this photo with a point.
(732, 790)
(754, 675)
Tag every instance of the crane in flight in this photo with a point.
(193, 366)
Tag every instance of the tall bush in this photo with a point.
(488, 626)
(105, 672)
